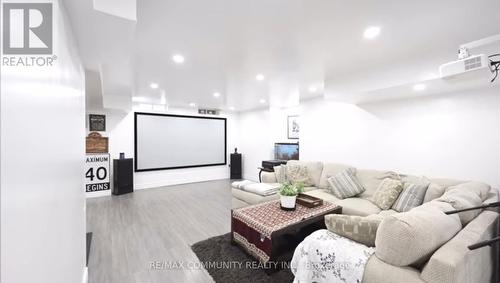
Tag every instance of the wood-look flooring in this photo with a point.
(132, 231)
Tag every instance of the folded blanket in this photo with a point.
(241, 184)
(327, 257)
(263, 189)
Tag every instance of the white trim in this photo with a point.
(153, 185)
(180, 181)
(85, 276)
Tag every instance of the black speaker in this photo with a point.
(235, 165)
(123, 176)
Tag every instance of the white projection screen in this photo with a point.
(173, 141)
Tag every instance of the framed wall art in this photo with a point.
(97, 123)
(293, 127)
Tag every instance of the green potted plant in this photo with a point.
(288, 194)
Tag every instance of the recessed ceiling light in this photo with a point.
(216, 94)
(262, 100)
(178, 59)
(260, 77)
(192, 104)
(231, 108)
(371, 32)
(313, 89)
(419, 87)
(154, 85)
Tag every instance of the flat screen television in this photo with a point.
(286, 151)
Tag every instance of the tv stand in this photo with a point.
(268, 166)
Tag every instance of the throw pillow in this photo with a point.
(298, 174)
(387, 193)
(280, 173)
(412, 237)
(461, 199)
(390, 174)
(345, 184)
(411, 196)
(357, 228)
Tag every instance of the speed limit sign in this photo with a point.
(97, 172)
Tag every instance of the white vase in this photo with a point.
(288, 201)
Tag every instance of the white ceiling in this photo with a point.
(294, 43)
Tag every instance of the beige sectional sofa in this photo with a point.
(451, 262)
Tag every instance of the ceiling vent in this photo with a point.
(208, 111)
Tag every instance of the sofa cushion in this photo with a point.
(314, 169)
(307, 189)
(411, 196)
(446, 182)
(387, 193)
(478, 188)
(414, 179)
(455, 263)
(237, 203)
(323, 194)
(377, 271)
(370, 179)
(461, 199)
(330, 169)
(358, 206)
(434, 191)
(345, 184)
(387, 212)
(411, 237)
(357, 228)
(493, 196)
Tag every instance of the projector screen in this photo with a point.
(174, 141)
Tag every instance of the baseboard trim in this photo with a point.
(167, 183)
(85, 276)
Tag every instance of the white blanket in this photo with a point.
(327, 257)
(263, 189)
(241, 184)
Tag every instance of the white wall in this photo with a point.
(450, 135)
(454, 135)
(42, 150)
(258, 131)
(120, 130)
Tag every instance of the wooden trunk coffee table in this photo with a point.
(271, 234)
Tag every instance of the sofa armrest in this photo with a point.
(268, 177)
(455, 263)
(377, 271)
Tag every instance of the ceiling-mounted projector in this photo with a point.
(473, 63)
(472, 66)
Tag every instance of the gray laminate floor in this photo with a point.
(132, 231)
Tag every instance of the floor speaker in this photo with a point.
(235, 165)
(123, 176)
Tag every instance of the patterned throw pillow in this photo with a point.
(387, 193)
(280, 173)
(345, 184)
(411, 196)
(360, 229)
(298, 174)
